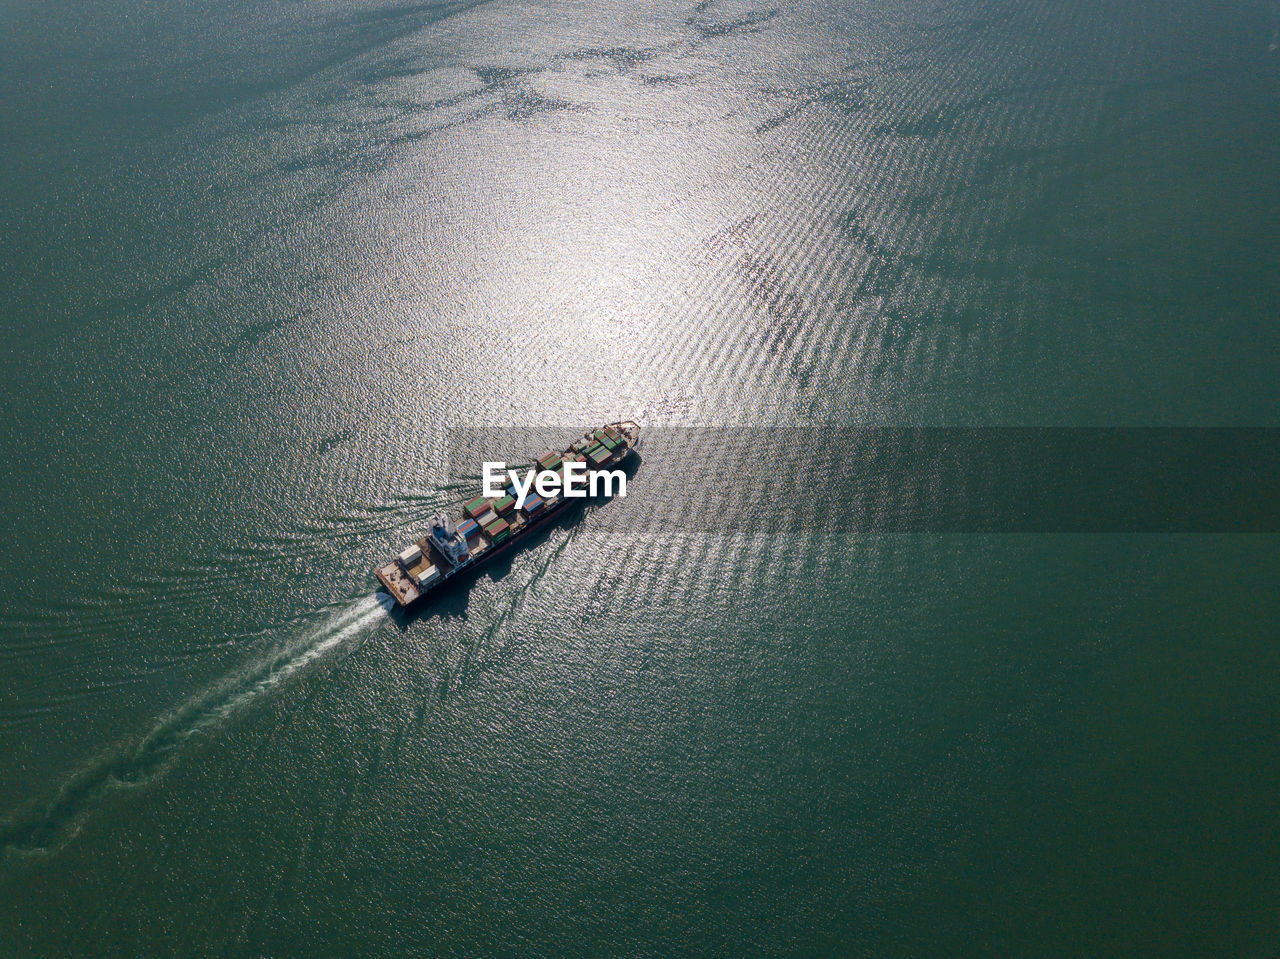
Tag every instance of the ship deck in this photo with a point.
(401, 588)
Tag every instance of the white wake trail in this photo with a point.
(343, 625)
(131, 764)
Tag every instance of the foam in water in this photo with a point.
(133, 765)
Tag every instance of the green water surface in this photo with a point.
(260, 257)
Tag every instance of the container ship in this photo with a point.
(492, 527)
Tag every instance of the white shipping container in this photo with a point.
(410, 555)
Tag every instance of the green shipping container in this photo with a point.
(504, 505)
(476, 506)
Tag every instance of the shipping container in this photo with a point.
(504, 505)
(477, 506)
(410, 556)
